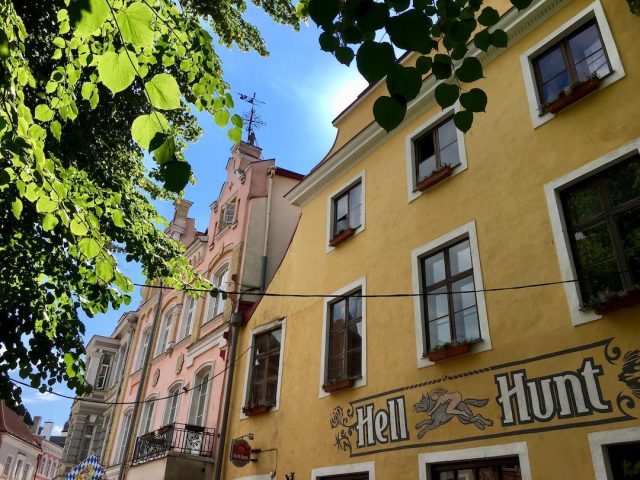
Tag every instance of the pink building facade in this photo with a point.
(177, 365)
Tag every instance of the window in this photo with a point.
(189, 315)
(347, 476)
(171, 408)
(347, 210)
(85, 442)
(165, 330)
(352, 471)
(451, 315)
(122, 357)
(25, 471)
(489, 469)
(265, 366)
(18, 470)
(227, 215)
(103, 373)
(144, 347)
(344, 359)
(624, 459)
(216, 304)
(574, 59)
(124, 435)
(146, 421)
(602, 214)
(200, 397)
(436, 148)
(7, 465)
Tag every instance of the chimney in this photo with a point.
(47, 429)
(36, 424)
(247, 152)
(179, 222)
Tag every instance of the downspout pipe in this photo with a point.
(267, 224)
(141, 387)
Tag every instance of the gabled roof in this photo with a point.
(58, 440)
(12, 424)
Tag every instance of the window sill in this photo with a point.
(338, 385)
(342, 236)
(618, 301)
(436, 177)
(252, 411)
(450, 351)
(578, 92)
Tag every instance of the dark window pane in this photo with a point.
(354, 336)
(488, 473)
(272, 390)
(467, 327)
(629, 227)
(460, 257)
(354, 360)
(633, 259)
(276, 336)
(583, 202)
(593, 244)
(261, 344)
(260, 367)
(336, 367)
(447, 476)
(599, 279)
(434, 268)
(552, 89)
(439, 332)
(624, 459)
(623, 183)
(551, 64)
(274, 363)
(438, 303)
(425, 155)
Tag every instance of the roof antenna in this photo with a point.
(252, 119)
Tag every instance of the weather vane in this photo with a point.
(252, 119)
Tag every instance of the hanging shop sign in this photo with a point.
(240, 452)
(585, 385)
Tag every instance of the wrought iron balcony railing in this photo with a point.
(176, 437)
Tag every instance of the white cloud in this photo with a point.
(57, 430)
(40, 398)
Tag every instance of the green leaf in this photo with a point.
(521, 4)
(475, 100)
(398, 5)
(482, 40)
(56, 129)
(88, 15)
(423, 64)
(446, 94)
(44, 113)
(89, 247)
(389, 112)
(409, 31)
(235, 134)
(166, 151)
(163, 92)
(328, 42)
(441, 67)
(176, 175)
(323, 11)
(88, 88)
(237, 121)
(373, 17)
(221, 117)
(135, 24)
(118, 218)
(146, 127)
(404, 81)
(45, 205)
(104, 270)
(78, 227)
(374, 60)
(470, 70)
(463, 120)
(49, 222)
(4, 44)
(499, 39)
(488, 17)
(16, 207)
(116, 70)
(344, 55)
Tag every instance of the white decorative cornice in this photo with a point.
(515, 23)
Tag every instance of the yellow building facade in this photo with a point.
(470, 310)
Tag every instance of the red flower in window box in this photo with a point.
(618, 301)
(342, 236)
(434, 178)
(576, 92)
(251, 410)
(335, 385)
(449, 350)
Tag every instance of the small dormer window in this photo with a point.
(227, 215)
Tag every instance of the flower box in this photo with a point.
(252, 410)
(434, 178)
(342, 236)
(577, 92)
(618, 301)
(338, 385)
(448, 351)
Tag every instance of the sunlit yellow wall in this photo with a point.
(509, 162)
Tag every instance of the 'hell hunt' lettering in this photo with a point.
(561, 395)
(382, 426)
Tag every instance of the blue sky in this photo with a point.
(303, 89)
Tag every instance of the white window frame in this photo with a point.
(166, 330)
(360, 284)
(193, 407)
(125, 431)
(519, 449)
(142, 351)
(165, 416)
(364, 467)
(598, 441)
(468, 230)
(410, 139)
(25, 471)
(559, 228)
(190, 308)
(20, 462)
(148, 411)
(215, 302)
(223, 225)
(8, 461)
(593, 11)
(107, 368)
(360, 177)
(120, 364)
(280, 323)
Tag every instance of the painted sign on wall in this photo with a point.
(585, 385)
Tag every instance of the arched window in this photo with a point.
(146, 421)
(200, 397)
(172, 404)
(216, 304)
(144, 347)
(124, 434)
(189, 314)
(166, 330)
